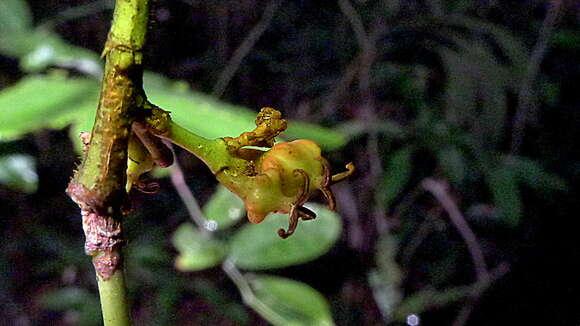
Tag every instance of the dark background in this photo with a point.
(310, 64)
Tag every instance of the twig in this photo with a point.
(420, 235)
(525, 93)
(350, 211)
(342, 87)
(366, 45)
(465, 312)
(439, 190)
(228, 266)
(366, 57)
(355, 22)
(479, 289)
(191, 204)
(245, 47)
(248, 295)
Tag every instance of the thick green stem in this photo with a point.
(113, 300)
(212, 152)
(98, 187)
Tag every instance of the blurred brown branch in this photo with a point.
(245, 47)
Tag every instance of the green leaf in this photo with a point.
(75, 299)
(511, 45)
(551, 92)
(39, 49)
(224, 208)
(65, 298)
(503, 184)
(566, 39)
(386, 279)
(50, 50)
(453, 164)
(17, 44)
(397, 174)
(196, 251)
(534, 175)
(212, 118)
(285, 302)
(224, 302)
(461, 87)
(56, 101)
(429, 298)
(329, 139)
(18, 172)
(388, 128)
(15, 16)
(45, 101)
(258, 246)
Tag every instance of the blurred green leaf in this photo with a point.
(76, 299)
(15, 16)
(532, 174)
(198, 112)
(566, 39)
(453, 163)
(503, 184)
(211, 118)
(18, 172)
(476, 89)
(290, 303)
(56, 101)
(510, 44)
(18, 44)
(429, 298)
(45, 101)
(483, 62)
(356, 128)
(550, 91)
(327, 138)
(167, 303)
(460, 90)
(66, 298)
(224, 208)
(398, 171)
(387, 278)
(146, 255)
(50, 50)
(493, 83)
(226, 303)
(196, 251)
(258, 246)
(40, 49)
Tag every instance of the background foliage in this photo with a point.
(460, 116)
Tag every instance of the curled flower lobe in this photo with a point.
(281, 179)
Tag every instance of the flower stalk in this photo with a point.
(268, 177)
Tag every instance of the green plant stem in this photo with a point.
(212, 152)
(113, 300)
(98, 186)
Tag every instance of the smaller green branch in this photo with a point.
(212, 152)
(113, 300)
